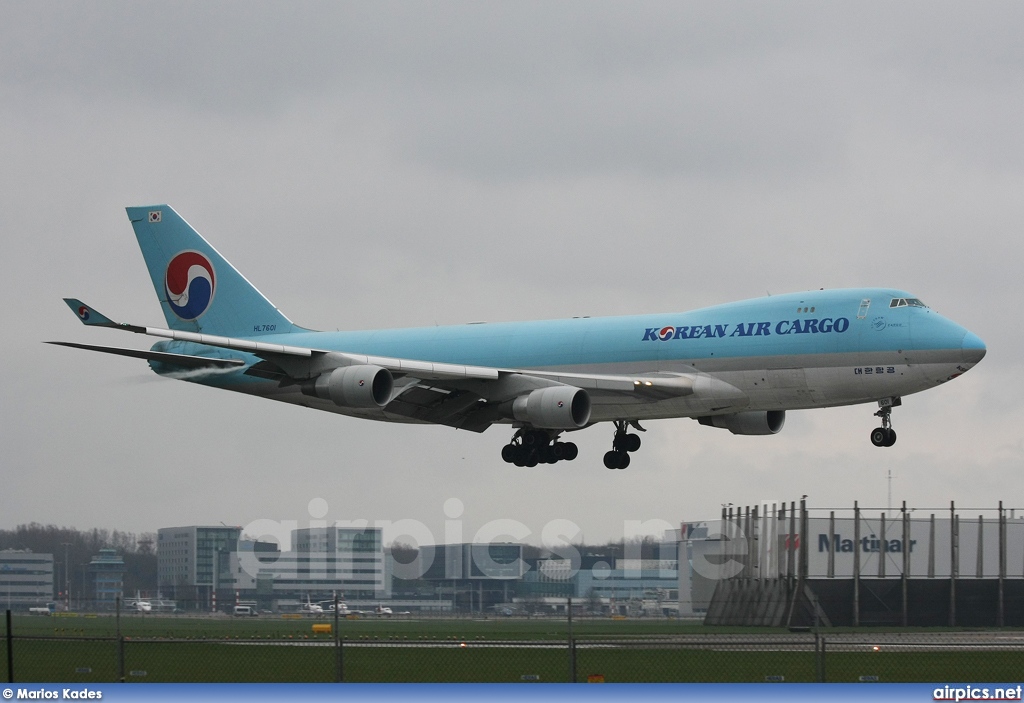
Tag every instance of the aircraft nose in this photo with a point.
(973, 348)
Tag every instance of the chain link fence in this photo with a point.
(70, 656)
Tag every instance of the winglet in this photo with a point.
(88, 315)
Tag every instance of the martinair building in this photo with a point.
(787, 564)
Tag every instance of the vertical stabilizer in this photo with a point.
(198, 289)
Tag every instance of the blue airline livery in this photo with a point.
(738, 366)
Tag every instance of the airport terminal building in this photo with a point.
(602, 584)
(324, 562)
(26, 579)
(186, 557)
(213, 567)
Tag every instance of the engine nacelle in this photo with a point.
(751, 422)
(554, 408)
(361, 386)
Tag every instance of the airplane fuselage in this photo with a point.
(785, 352)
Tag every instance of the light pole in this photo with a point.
(67, 577)
(216, 576)
(85, 586)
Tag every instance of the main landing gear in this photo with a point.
(532, 447)
(622, 444)
(885, 436)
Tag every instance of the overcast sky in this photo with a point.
(374, 165)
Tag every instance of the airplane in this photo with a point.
(739, 366)
(343, 609)
(312, 608)
(140, 605)
(382, 610)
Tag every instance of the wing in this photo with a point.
(184, 360)
(463, 396)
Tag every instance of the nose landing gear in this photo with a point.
(532, 447)
(622, 444)
(885, 436)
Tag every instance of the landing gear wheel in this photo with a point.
(880, 437)
(547, 455)
(622, 443)
(564, 450)
(626, 442)
(530, 447)
(885, 436)
(616, 459)
(631, 442)
(520, 456)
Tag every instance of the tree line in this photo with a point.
(73, 550)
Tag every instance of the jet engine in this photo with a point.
(361, 386)
(554, 408)
(752, 422)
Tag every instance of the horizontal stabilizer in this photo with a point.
(88, 315)
(184, 360)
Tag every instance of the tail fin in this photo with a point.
(198, 289)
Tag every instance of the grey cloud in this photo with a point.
(552, 89)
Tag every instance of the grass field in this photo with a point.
(172, 649)
(178, 626)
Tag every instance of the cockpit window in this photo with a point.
(906, 302)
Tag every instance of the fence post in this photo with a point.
(572, 646)
(817, 656)
(954, 561)
(819, 642)
(856, 564)
(823, 674)
(1001, 611)
(10, 649)
(120, 641)
(339, 662)
(802, 567)
(832, 546)
(905, 568)
(791, 565)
